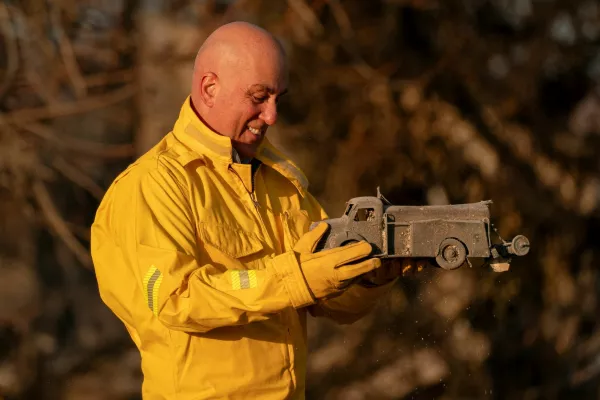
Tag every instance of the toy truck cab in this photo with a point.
(362, 220)
(448, 233)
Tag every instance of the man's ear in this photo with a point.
(208, 88)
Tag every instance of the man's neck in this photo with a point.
(237, 158)
(195, 110)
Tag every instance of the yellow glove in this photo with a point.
(329, 271)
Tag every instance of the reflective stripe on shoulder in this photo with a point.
(243, 279)
(152, 281)
(290, 170)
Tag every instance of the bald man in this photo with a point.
(239, 75)
(202, 246)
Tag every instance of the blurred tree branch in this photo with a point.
(437, 102)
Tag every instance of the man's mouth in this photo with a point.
(255, 131)
(260, 131)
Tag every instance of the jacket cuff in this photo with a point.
(287, 268)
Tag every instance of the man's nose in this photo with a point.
(269, 113)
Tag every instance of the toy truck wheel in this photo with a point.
(345, 239)
(519, 246)
(452, 254)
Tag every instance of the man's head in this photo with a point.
(239, 74)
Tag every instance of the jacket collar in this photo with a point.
(205, 143)
(199, 138)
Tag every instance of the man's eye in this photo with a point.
(259, 99)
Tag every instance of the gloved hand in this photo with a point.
(393, 268)
(329, 271)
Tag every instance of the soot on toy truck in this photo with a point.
(448, 233)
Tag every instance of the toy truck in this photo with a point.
(450, 233)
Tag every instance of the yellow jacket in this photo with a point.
(180, 245)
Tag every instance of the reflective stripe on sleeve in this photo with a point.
(243, 279)
(152, 281)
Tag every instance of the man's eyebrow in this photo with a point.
(266, 88)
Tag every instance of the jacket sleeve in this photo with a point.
(355, 302)
(153, 224)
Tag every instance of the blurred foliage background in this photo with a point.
(435, 101)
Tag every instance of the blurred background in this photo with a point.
(435, 101)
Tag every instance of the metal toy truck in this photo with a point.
(450, 233)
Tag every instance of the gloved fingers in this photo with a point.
(309, 240)
(395, 267)
(384, 274)
(349, 253)
(342, 254)
(351, 271)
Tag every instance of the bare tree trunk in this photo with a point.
(163, 86)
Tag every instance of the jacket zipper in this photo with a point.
(253, 199)
(288, 348)
(257, 206)
(280, 222)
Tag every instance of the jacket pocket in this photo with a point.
(232, 241)
(296, 224)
